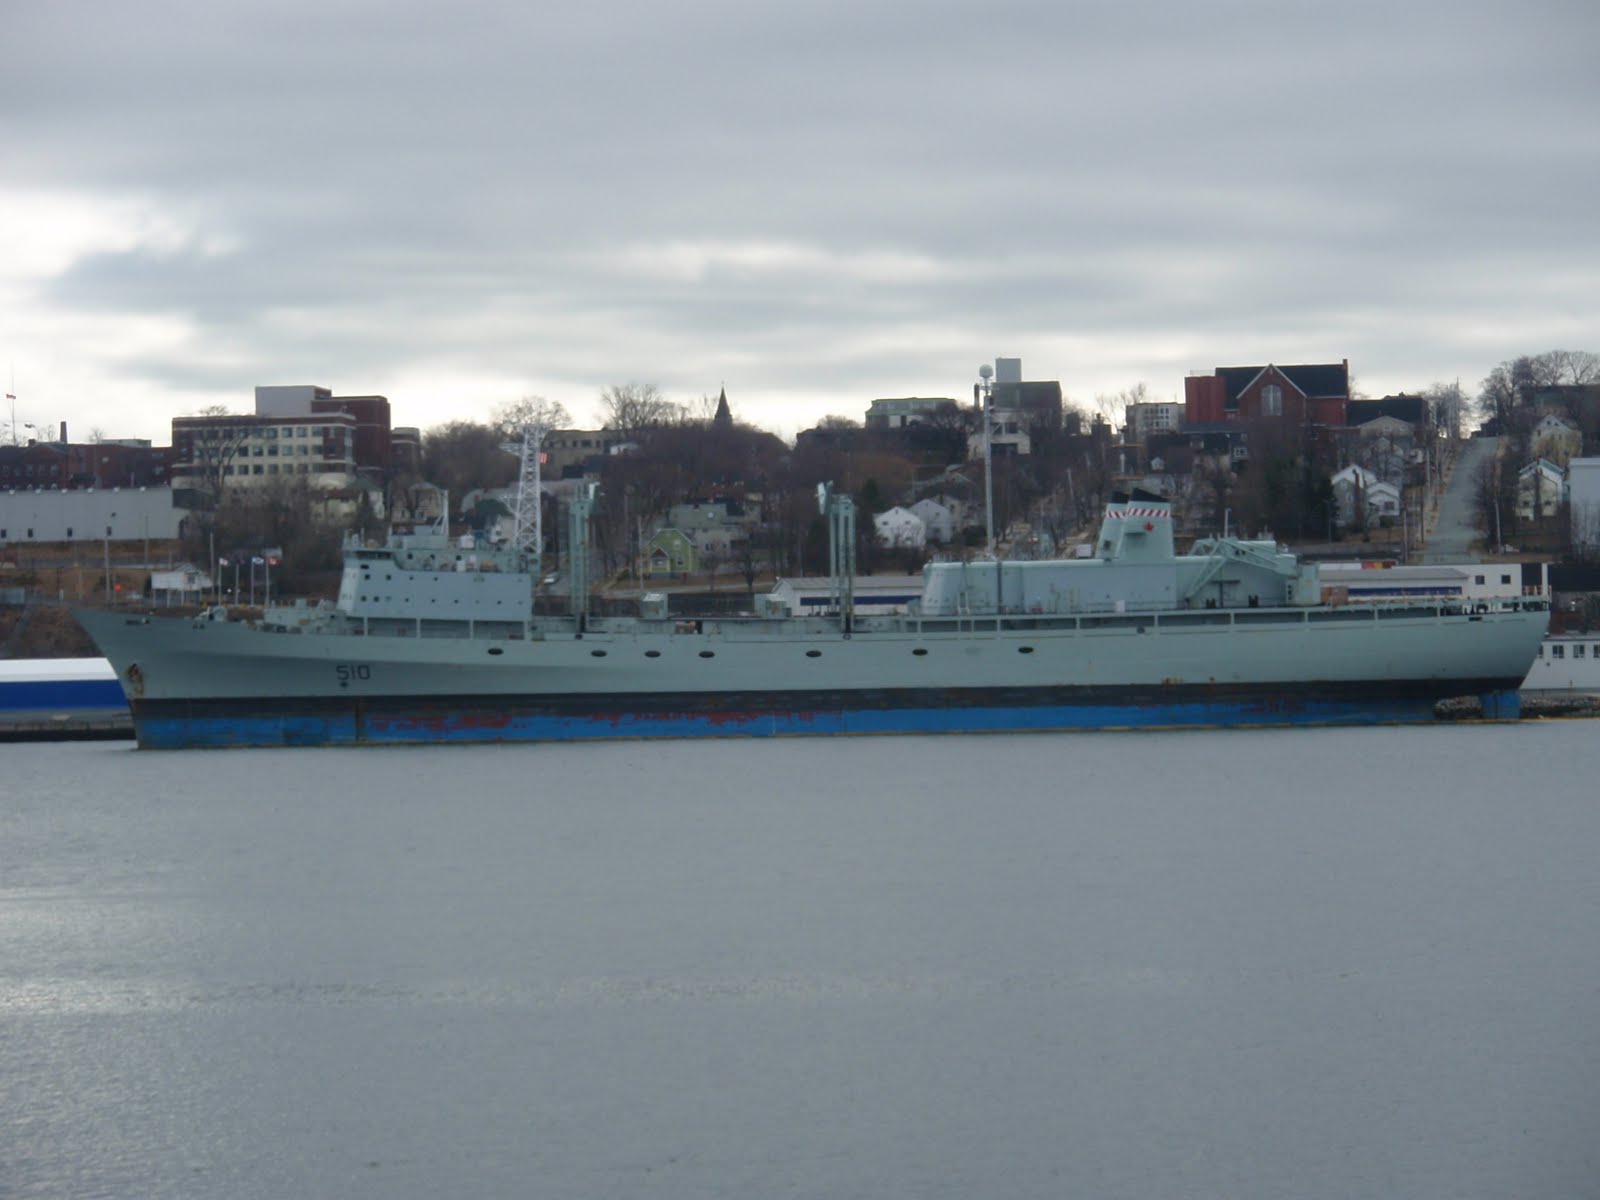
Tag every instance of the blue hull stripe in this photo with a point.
(173, 732)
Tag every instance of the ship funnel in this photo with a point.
(1137, 528)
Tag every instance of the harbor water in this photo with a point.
(1291, 963)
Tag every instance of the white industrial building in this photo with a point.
(1583, 495)
(89, 515)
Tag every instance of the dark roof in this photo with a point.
(1410, 409)
(1314, 379)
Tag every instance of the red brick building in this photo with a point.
(1300, 409)
(1313, 395)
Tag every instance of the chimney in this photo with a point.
(63, 433)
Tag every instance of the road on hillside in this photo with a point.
(1457, 527)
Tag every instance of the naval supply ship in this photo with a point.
(436, 640)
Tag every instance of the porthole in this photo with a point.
(652, 654)
(813, 653)
(919, 652)
(1024, 649)
(496, 650)
(708, 654)
(597, 654)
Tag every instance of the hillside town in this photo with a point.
(244, 506)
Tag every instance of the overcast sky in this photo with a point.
(811, 204)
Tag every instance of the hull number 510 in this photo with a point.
(349, 671)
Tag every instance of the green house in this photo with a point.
(669, 553)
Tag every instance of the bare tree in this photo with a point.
(461, 456)
(1114, 408)
(1447, 404)
(1494, 493)
(1512, 384)
(1505, 389)
(1212, 492)
(745, 555)
(711, 561)
(213, 446)
(512, 417)
(1561, 367)
(700, 411)
(630, 407)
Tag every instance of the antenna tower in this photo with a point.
(528, 529)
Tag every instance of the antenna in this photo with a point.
(528, 516)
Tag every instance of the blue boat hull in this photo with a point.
(188, 724)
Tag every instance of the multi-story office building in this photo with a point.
(302, 431)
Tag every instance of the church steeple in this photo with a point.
(724, 417)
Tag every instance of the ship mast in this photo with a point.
(841, 514)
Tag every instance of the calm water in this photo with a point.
(1300, 963)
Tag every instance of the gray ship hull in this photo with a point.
(202, 683)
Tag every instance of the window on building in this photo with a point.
(1272, 400)
(1577, 650)
(1478, 579)
(1505, 579)
(1558, 651)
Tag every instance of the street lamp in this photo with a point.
(986, 393)
(986, 388)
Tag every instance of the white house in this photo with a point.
(1540, 487)
(1555, 439)
(900, 527)
(1008, 434)
(1385, 446)
(717, 543)
(939, 520)
(1147, 417)
(1360, 494)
